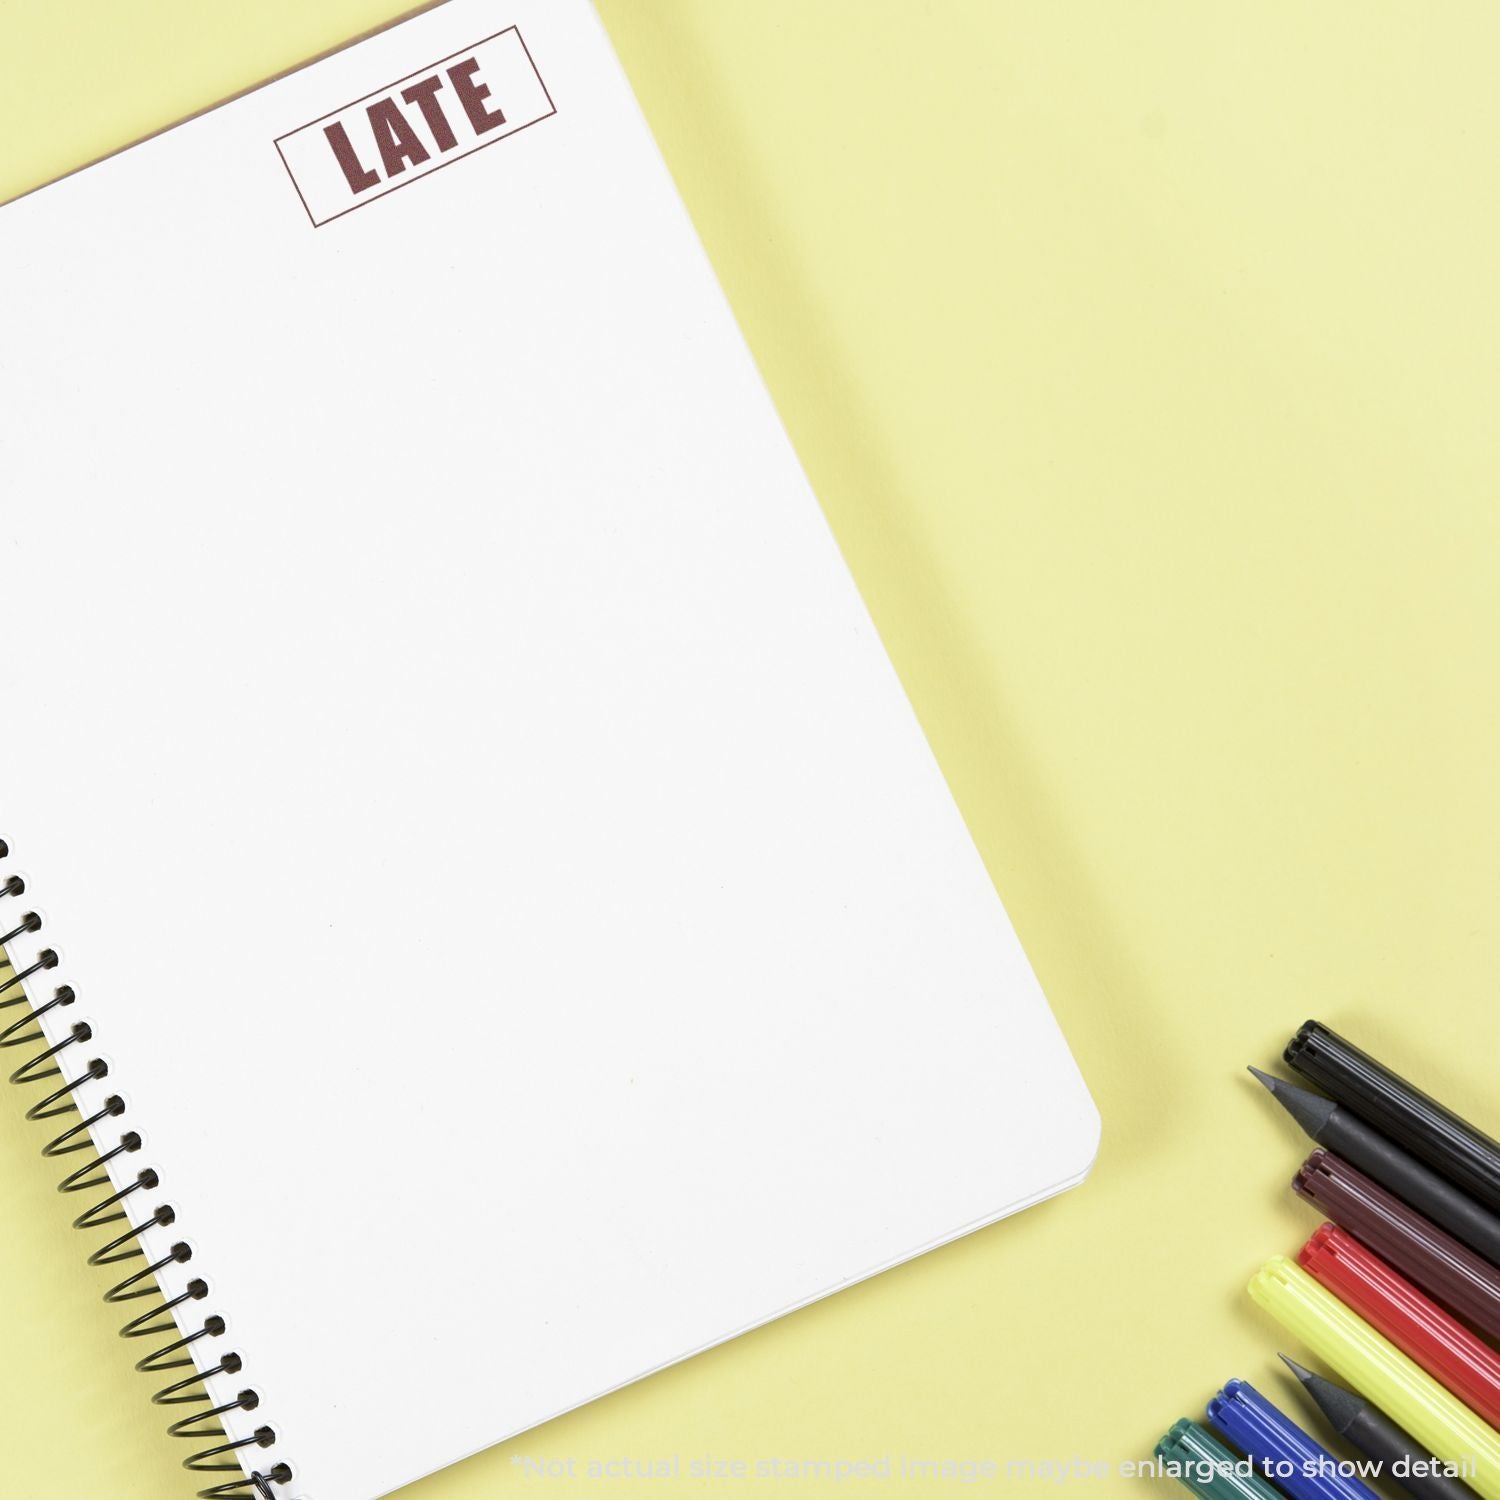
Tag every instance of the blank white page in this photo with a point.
(459, 773)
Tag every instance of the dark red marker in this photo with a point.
(1450, 1273)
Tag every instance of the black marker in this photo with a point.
(1397, 1171)
(1449, 1145)
(1365, 1427)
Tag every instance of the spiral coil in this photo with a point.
(49, 1069)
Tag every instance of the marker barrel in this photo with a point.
(1207, 1467)
(1415, 1324)
(1450, 1273)
(1405, 1392)
(1283, 1453)
(1464, 1154)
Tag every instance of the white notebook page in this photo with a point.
(464, 785)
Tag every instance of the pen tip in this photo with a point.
(1265, 1078)
(1303, 1375)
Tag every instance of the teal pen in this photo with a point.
(1196, 1459)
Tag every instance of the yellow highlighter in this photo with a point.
(1405, 1392)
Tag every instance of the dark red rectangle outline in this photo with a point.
(451, 162)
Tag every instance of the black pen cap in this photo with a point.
(1449, 1144)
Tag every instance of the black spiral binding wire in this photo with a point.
(220, 1458)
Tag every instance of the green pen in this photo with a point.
(1202, 1463)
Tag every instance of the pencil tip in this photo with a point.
(1311, 1111)
(1342, 1408)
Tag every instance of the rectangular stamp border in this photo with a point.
(451, 162)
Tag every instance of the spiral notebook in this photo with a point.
(489, 904)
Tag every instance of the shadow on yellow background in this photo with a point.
(1145, 360)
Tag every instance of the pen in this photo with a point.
(1363, 1426)
(1405, 1392)
(1204, 1465)
(1463, 1154)
(1344, 1133)
(1282, 1451)
(1450, 1273)
(1413, 1323)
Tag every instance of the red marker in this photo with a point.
(1412, 1322)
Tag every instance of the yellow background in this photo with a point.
(1145, 359)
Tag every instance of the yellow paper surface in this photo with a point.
(1146, 358)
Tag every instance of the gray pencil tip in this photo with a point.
(1311, 1111)
(1341, 1407)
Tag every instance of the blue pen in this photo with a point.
(1282, 1451)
